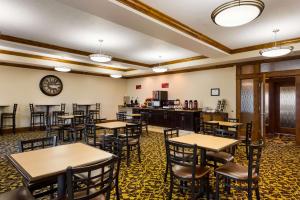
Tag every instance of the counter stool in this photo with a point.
(34, 115)
(11, 116)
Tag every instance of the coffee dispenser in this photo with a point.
(195, 106)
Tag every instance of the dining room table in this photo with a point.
(114, 126)
(44, 164)
(206, 142)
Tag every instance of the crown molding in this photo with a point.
(266, 45)
(25, 66)
(179, 61)
(64, 49)
(156, 14)
(27, 55)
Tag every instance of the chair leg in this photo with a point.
(14, 125)
(207, 187)
(166, 172)
(171, 186)
(139, 152)
(117, 189)
(249, 190)
(128, 155)
(217, 186)
(257, 193)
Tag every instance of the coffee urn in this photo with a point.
(191, 104)
(195, 106)
(186, 104)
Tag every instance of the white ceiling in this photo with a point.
(282, 14)
(56, 23)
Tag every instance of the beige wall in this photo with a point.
(22, 86)
(193, 85)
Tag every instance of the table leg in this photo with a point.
(115, 132)
(61, 186)
(203, 157)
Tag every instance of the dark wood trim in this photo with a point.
(25, 66)
(181, 71)
(27, 55)
(18, 130)
(60, 48)
(157, 15)
(179, 61)
(266, 45)
(297, 109)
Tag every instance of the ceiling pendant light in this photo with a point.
(237, 12)
(116, 75)
(100, 57)
(276, 51)
(62, 69)
(159, 68)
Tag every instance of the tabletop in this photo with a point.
(134, 115)
(208, 142)
(68, 116)
(47, 105)
(85, 104)
(225, 123)
(3, 106)
(113, 125)
(52, 161)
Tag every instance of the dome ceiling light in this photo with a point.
(237, 12)
(62, 69)
(276, 51)
(159, 68)
(100, 57)
(116, 75)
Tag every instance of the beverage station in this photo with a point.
(172, 113)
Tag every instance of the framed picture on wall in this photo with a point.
(215, 92)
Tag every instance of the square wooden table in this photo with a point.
(206, 142)
(227, 124)
(52, 162)
(113, 126)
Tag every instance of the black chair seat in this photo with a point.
(235, 171)
(21, 193)
(220, 157)
(186, 172)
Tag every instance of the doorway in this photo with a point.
(280, 106)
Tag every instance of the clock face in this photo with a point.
(51, 85)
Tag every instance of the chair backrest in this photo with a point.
(98, 106)
(181, 154)
(63, 107)
(74, 106)
(121, 116)
(95, 184)
(171, 133)
(255, 151)
(38, 143)
(133, 132)
(225, 133)
(112, 144)
(90, 134)
(15, 109)
(31, 107)
(145, 117)
(248, 133)
(210, 127)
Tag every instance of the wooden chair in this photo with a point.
(36, 114)
(221, 157)
(40, 188)
(248, 175)
(169, 133)
(95, 185)
(76, 111)
(131, 141)
(90, 135)
(11, 116)
(210, 127)
(77, 128)
(246, 139)
(21, 193)
(55, 129)
(185, 169)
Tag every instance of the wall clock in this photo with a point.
(51, 85)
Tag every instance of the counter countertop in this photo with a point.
(177, 110)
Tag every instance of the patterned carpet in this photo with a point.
(280, 170)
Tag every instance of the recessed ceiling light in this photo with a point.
(276, 51)
(62, 69)
(116, 75)
(237, 12)
(100, 57)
